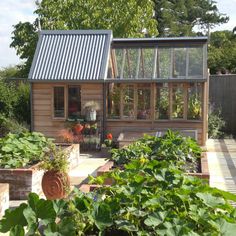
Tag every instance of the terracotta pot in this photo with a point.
(55, 185)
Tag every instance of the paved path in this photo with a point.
(221, 156)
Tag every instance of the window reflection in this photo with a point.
(59, 108)
(162, 101)
(177, 101)
(128, 101)
(144, 96)
(194, 101)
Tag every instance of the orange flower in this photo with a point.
(67, 135)
(109, 136)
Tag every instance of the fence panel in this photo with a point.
(222, 94)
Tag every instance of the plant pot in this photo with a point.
(55, 185)
(91, 115)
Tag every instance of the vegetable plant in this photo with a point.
(172, 147)
(149, 197)
(23, 149)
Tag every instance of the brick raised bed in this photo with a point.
(4, 198)
(22, 181)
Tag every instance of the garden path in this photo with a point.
(221, 155)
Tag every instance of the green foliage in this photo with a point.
(54, 158)
(10, 125)
(178, 18)
(126, 18)
(149, 197)
(215, 123)
(222, 52)
(19, 150)
(14, 100)
(7, 98)
(171, 147)
(22, 105)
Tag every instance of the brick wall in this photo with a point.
(22, 182)
(4, 198)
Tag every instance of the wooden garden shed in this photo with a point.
(136, 86)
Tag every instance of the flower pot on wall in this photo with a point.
(55, 184)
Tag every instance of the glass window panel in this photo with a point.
(113, 106)
(117, 61)
(128, 101)
(110, 71)
(195, 68)
(131, 60)
(179, 63)
(162, 101)
(146, 64)
(59, 107)
(74, 102)
(194, 101)
(144, 97)
(164, 61)
(178, 101)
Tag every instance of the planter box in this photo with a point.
(4, 198)
(74, 153)
(204, 168)
(22, 181)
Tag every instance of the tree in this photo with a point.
(222, 52)
(126, 18)
(179, 17)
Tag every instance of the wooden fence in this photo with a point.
(222, 94)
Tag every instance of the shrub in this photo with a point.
(215, 123)
(10, 125)
(21, 107)
(20, 150)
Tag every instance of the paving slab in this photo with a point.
(221, 156)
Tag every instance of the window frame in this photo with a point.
(66, 100)
(153, 101)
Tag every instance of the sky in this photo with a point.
(13, 11)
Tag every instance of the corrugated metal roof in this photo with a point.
(71, 55)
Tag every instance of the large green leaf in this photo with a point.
(31, 219)
(33, 199)
(102, 216)
(155, 219)
(45, 210)
(13, 218)
(226, 228)
(211, 200)
(126, 225)
(17, 230)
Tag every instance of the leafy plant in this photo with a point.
(54, 158)
(172, 147)
(215, 123)
(11, 125)
(149, 197)
(20, 150)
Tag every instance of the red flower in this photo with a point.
(78, 128)
(109, 136)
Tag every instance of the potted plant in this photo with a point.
(55, 182)
(107, 145)
(91, 108)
